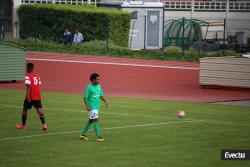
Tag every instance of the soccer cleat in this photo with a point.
(44, 127)
(83, 137)
(100, 139)
(20, 126)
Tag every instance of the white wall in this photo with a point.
(15, 18)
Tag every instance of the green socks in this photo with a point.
(87, 126)
(96, 128)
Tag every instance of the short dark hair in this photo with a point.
(30, 66)
(93, 76)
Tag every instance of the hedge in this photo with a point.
(99, 48)
(47, 22)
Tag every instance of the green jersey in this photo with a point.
(92, 95)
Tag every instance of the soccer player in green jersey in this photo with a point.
(93, 94)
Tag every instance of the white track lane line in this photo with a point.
(111, 128)
(110, 63)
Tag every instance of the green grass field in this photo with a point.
(138, 133)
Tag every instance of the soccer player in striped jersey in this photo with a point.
(33, 97)
(93, 94)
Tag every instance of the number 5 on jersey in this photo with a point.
(37, 80)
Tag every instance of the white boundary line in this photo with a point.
(111, 128)
(110, 63)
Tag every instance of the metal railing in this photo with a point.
(72, 2)
(210, 5)
(197, 5)
(241, 5)
(36, 1)
(206, 5)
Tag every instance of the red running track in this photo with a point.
(136, 78)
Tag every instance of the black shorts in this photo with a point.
(27, 105)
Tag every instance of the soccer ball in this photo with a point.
(180, 114)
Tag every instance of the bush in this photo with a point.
(192, 52)
(99, 48)
(225, 53)
(172, 50)
(101, 44)
(47, 22)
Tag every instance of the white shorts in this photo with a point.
(93, 114)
